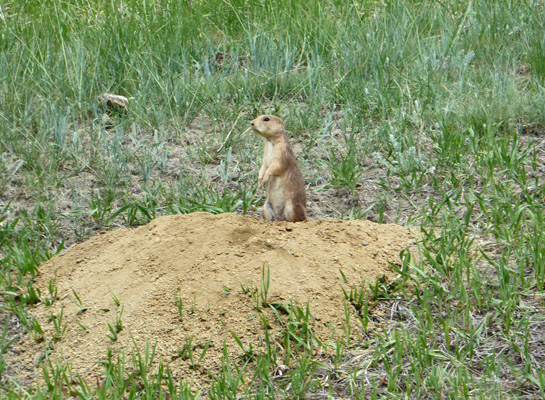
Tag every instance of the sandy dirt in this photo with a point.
(214, 264)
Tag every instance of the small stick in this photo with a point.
(230, 133)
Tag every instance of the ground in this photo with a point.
(192, 282)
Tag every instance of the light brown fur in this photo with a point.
(280, 173)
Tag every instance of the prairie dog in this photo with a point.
(280, 173)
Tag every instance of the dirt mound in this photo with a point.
(210, 267)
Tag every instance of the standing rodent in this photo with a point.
(280, 173)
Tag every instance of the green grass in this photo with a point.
(428, 114)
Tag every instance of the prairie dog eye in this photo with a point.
(266, 119)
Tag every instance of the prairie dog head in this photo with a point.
(268, 126)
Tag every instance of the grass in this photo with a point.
(423, 114)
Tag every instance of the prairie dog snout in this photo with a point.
(280, 173)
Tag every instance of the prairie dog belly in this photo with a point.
(275, 195)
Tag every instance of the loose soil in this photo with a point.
(215, 265)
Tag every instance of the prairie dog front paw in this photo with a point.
(265, 179)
